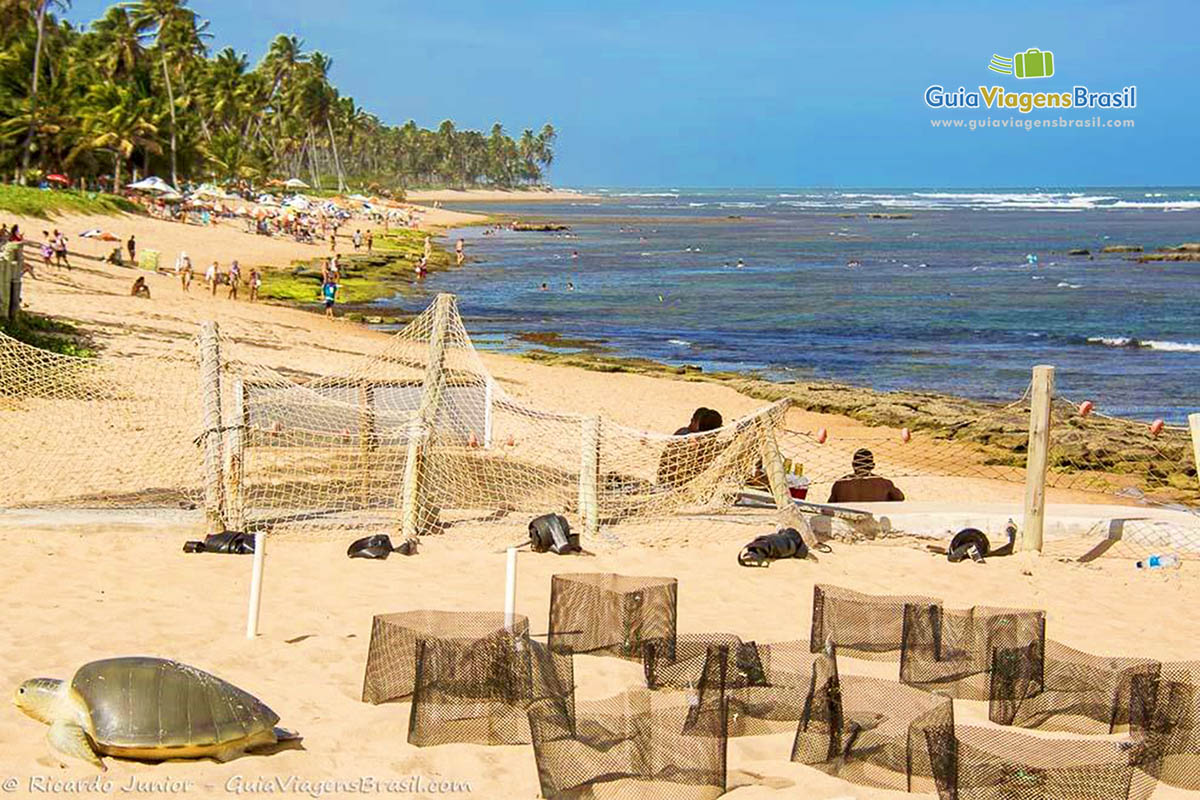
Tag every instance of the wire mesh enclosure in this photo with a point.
(1063, 689)
(950, 650)
(1165, 709)
(976, 763)
(860, 625)
(612, 614)
(766, 685)
(869, 731)
(469, 676)
(639, 744)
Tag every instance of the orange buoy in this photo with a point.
(1156, 427)
(473, 441)
(905, 435)
(1085, 408)
(511, 441)
(822, 435)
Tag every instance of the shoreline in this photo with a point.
(496, 195)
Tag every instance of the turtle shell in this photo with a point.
(152, 703)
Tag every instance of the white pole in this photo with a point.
(260, 547)
(510, 590)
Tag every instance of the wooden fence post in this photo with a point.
(211, 437)
(413, 518)
(772, 462)
(1037, 458)
(235, 460)
(589, 472)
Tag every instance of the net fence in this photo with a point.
(417, 435)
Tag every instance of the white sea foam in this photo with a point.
(1146, 344)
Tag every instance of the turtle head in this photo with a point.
(37, 697)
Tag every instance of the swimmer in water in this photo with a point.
(545, 287)
(740, 263)
(570, 286)
(574, 254)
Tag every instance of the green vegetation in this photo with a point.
(50, 334)
(139, 90)
(45, 203)
(385, 272)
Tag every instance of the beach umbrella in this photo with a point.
(56, 178)
(153, 184)
(295, 183)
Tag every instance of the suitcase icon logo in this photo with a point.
(1033, 63)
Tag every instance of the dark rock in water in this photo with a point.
(1079, 251)
(1122, 248)
(889, 216)
(544, 227)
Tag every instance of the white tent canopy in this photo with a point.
(153, 184)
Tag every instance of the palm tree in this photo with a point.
(121, 45)
(40, 13)
(177, 35)
(116, 120)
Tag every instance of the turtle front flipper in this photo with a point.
(68, 739)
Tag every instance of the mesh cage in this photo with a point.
(638, 744)
(1165, 709)
(951, 650)
(612, 614)
(1063, 689)
(863, 625)
(767, 685)
(868, 730)
(975, 763)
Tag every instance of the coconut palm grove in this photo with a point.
(143, 90)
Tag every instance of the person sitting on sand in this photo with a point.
(140, 289)
(684, 459)
(115, 257)
(862, 486)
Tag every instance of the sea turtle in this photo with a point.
(150, 709)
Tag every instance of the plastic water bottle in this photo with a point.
(1169, 561)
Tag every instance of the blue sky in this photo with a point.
(694, 93)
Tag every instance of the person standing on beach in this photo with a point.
(255, 284)
(459, 256)
(235, 277)
(47, 250)
(428, 247)
(60, 250)
(185, 272)
(357, 239)
(370, 241)
(329, 293)
(333, 241)
(131, 246)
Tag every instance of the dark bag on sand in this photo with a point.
(550, 532)
(377, 546)
(784, 543)
(969, 542)
(235, 542)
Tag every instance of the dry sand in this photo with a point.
(86, 590)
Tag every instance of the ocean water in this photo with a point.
(947, 300)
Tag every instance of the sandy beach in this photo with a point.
(80, 587)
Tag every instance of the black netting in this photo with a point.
(868, 730)
(860, 625)
(1165, 709)
(950, 650)
(635, 745)
(1063, 689)
(976, 763)
(613, 614)
(766, 684)
(469, 676)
